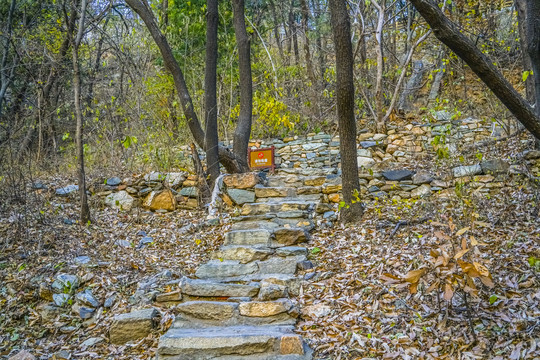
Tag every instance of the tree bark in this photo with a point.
(85, 210)
(319, 42)
(521, 7)
(305, 20)
(533, 47)
(243, 128)
(292, 33)
(5, 79)
(450, 35)
(276, 30)
(380, 120)
(210, 91)
(345, 108)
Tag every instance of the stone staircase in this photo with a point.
(241, 306)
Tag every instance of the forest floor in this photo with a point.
(361, 291)
(459, 278)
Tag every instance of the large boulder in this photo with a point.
(120, 200)
(160, 200)
(494, 166)
(468, 170)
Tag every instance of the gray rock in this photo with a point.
(290, 235)
(210, 288)
(60, 299)
(87, 298)
(494, 166)
(208, 310)
(39, 186)
(23, 355)
(82, 260)
(532, 155)
(291, 251)
(132, 326)
(470, 170)
(240, 196)
(65, 191)
(374, 188)
(145, 241)
(248, 237)
(227, 268)
(191, 191)
(244, 254)
(368, 144)
(271, 291)
(329, 215)
(120, 200)
(305, 265)
(234, 342)
(114, 181)
(365, 162)
(442, 115)
(285, 265)
(86, 313)
(91, 342)
(123, 243)
(423, 190)
(398, 175)
(109, 302)
(422, 177)
(65, 283)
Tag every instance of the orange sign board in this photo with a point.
(261, 158)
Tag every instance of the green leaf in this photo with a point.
(492, 299)
(525, 75)
(315, 250)
(14, 337)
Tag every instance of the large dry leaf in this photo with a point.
(414, 276)
(448, 292)
(460, 254)
(482, 270)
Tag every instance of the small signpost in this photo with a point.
(261, 158)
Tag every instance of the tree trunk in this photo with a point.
(533, 47)
(345, 108)
(5, 79)
(451, 36)
(210, 92)
(292, 33)
(85, 210)
(380, 121)
(305, 20)
(521, 7)
(243, 128)
(276, 30)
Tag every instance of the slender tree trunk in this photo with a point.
(380, 121)
(533, 46)
(292, 31)
(85, 210)
(305, 20)
(276, 30)
(210, 91)
(449, 34)
(521, 7)
(243, 128)
(345, 108)
(318, 40)
(5, 75)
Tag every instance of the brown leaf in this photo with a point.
(482, 270)
(487, 281)
(460, 254)
(413, 276)
(448, 292)
(463, 231)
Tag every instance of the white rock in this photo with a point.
(120, 200)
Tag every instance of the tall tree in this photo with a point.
(75, 45)
(341, 29)
(233, 161)
(450, 35)
(210, 91)
(532, 28)
(243, 128)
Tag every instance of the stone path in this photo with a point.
(241, 306)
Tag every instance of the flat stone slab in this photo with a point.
(242, 253)
(132, 326)
(208, 310)
(215, 269)
(278, 265)
(209, 343)
(209, 288)
(264, 308)
(250, 225)
(270, 207)
(248, 237)
(292, 251)
(262, 192)
(398, 175)
(290, 236)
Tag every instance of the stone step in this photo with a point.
(247, 223)
(272, 192)
(209, 288)
(203, 314)
(219, 269)
(275, 207)
(242, 253)
(290, 281)
(232, 342)
(248, 237)
(285, 218)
